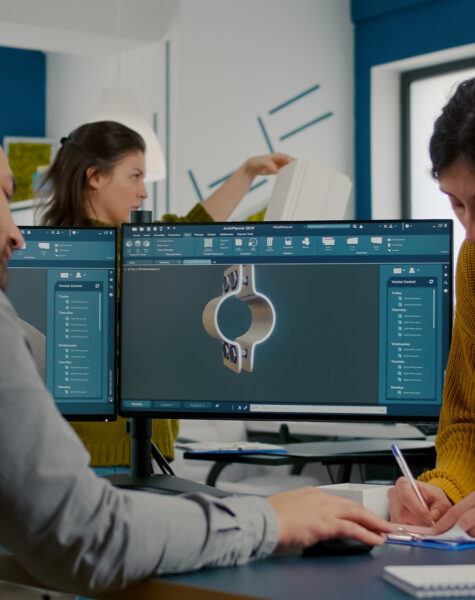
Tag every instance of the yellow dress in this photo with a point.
(109, 443)
(455, 441)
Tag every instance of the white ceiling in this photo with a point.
(84, 26)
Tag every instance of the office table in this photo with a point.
(284, 431)
(302, 578)
(326, 578)
(344, 453)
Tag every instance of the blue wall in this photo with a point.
(394, 30)
(22, 93)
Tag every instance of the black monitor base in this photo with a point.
(165, 484)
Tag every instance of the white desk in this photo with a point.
(337, 429)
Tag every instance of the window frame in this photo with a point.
(406, 79)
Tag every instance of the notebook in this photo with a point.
(433, 581)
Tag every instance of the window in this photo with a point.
(423, 94)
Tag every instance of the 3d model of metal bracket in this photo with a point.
(239, 282)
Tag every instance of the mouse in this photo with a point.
(337, 547)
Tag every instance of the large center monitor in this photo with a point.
(62, 284)
(287, 320)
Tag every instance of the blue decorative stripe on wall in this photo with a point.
(219, 181)
(258, 185)
(195, 185)
(302, 127)
(23, 93)
(155, 213)
(418, 27)
(265, 134)
(294, 99)
(167, 128)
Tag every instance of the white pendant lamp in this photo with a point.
(118, 104)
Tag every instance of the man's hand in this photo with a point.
(268, 164)
(405, 507)
(461, 514)
(307, 516)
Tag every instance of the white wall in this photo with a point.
(74, 84)
(230, 62)
(238, 60)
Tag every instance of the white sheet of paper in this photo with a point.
(454, 534)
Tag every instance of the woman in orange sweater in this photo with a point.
(452, 152)
(97, 178)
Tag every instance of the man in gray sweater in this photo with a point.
(74, 531)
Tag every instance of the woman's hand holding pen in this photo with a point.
(461, 514)
(405, 506)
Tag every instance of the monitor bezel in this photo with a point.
(282, 417)
(100, 418)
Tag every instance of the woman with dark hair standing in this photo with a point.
(452, 152)
(98, 175)
(96, 179)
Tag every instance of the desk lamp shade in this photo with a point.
(118, 104)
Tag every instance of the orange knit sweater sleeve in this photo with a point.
(455, 441)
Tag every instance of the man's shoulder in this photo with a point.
(9, 322)
(6, 307)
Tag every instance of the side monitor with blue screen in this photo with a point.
(288, 320)
(62, 284)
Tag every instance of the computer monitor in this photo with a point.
(62, 284)
(285, 320)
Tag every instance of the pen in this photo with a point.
(406, 471)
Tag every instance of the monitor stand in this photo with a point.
(142, 476)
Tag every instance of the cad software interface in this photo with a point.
(294, 319)
(62, 284)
